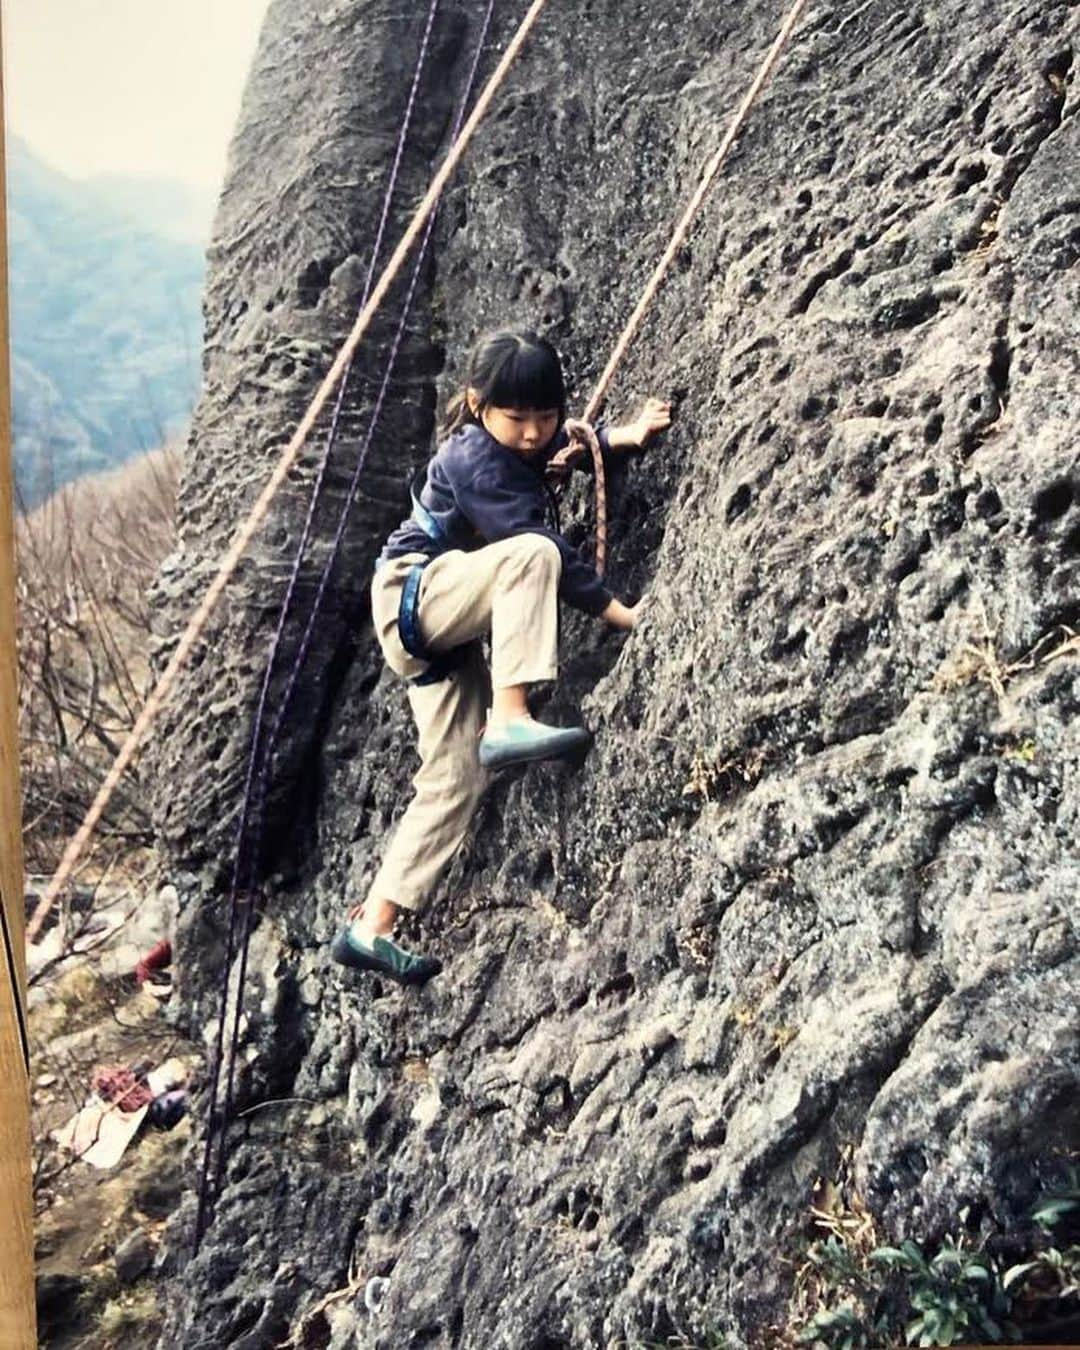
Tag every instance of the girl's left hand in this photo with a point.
(653, 418)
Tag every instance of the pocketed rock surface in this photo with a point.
(809, 906)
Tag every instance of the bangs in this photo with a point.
(530, 377)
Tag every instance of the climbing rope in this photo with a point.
(583, 439)
(683, 228)
(257, 787)
(247, 530)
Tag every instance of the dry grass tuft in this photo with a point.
(711, 780)
(134, 1311)
(978, 661)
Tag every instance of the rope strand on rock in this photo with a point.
(628, 334)
(583, 437)
(683, 228)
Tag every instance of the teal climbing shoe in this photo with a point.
(383, 956)
(523, 740)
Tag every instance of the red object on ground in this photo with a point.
(158, 956)
(115, 1083)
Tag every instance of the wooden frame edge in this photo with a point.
(18, 1322)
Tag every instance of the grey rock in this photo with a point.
(664, 1012)
(133, 1257)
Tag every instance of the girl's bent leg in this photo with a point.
(510, 589)
(450, 782)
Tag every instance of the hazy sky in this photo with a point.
(132, 86)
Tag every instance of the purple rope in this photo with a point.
(245, 860)
(354, 484)
(257, 799)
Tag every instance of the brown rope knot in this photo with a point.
(584, 440)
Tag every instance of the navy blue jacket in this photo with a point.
(478, 492)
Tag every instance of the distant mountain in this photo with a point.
(105, 320)
(161, 205)
(45, 434)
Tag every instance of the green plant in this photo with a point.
(839, 1328)
(838, 1263)
(1051, 1210)
(956, 1294)
(1051, 1276)
(853, 1292)
(1060, 1270)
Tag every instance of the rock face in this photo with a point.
(811, 901)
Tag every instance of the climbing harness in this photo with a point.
(409, 614)
(441, 665)
(422, 516)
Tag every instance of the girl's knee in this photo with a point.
(536, 552)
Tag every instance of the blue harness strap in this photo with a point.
(441, 664)
(409, 615)
(425, 519)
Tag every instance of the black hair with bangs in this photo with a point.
(513, 368)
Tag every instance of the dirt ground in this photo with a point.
(87, 1011)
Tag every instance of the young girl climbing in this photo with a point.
(477, 557)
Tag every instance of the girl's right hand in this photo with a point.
(619, 615)
(638, 611)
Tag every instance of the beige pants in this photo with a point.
(508, 589)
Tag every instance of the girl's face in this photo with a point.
(524, 430)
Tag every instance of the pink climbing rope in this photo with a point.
(682, 230)
(257, 785)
